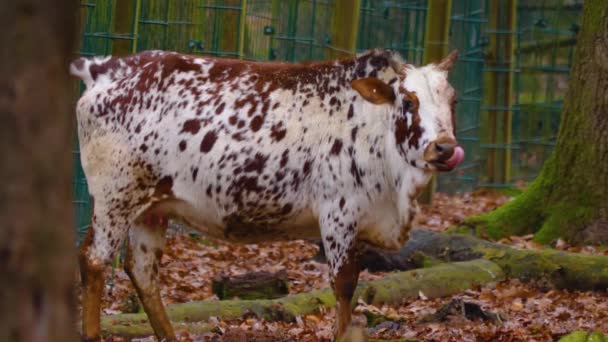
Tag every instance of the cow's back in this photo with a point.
(227, 134)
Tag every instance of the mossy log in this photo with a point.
(438, 281)
(560, 269)
(584, 336)
(253, 285)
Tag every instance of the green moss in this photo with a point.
(525, 214)
(560, 269)
(430, 262)
(520, 216)
(510, 191)
(577, 336)
(145, 329)
(584, 336)
(437, 281)
(199, 238)
(566, 220)
(463, 230)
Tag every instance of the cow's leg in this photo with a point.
(142, 263)
(91, 273)
(339, 241)
(101, 242)
(344, 284)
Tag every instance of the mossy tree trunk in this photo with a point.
(569, 198)
(37, 245)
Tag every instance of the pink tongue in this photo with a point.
(456, 158)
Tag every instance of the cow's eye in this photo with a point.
(408, 105)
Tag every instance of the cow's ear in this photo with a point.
(374, 90)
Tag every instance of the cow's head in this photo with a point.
(421, 113)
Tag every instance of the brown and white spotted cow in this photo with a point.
(252, 152)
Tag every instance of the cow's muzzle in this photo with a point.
(444, 154)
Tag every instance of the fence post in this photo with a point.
(242, 25)
(123, 12)
(436, 36)
(345, 26)
(274, 15)
(135, 26)
(498, 98)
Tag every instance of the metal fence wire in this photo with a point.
(515, 57)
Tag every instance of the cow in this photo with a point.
(249, 152)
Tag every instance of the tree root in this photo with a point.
(558, 269)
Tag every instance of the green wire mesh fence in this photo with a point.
(467, 22)
(395, 25)
(547, 35)
(512, 74)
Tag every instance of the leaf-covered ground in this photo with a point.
(527, 312)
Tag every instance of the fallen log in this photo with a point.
(559, 269)
(254, 285)
(433, 282)
(585, 336)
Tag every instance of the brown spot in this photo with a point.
(277, 132)
(191, 126)
(334, 102)
(208, 141)
(256, 123)
(354, 170)
(351, 112)
(284, 158)
(306, 168)
(143, 248)
(400, 130)
(209, 190)
(182, 145)
(220, 109)
(256, 164)
(342, 203)
(286, 209)
(232, 120)
(336, 147)
(414, 131)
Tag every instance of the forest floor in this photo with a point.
(528, 312)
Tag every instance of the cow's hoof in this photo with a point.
(91, 339)
(354, 333)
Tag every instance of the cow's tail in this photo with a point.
(92, 70)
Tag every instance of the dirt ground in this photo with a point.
(524, 312)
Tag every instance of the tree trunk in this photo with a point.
(37, 259)
(569, 198)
